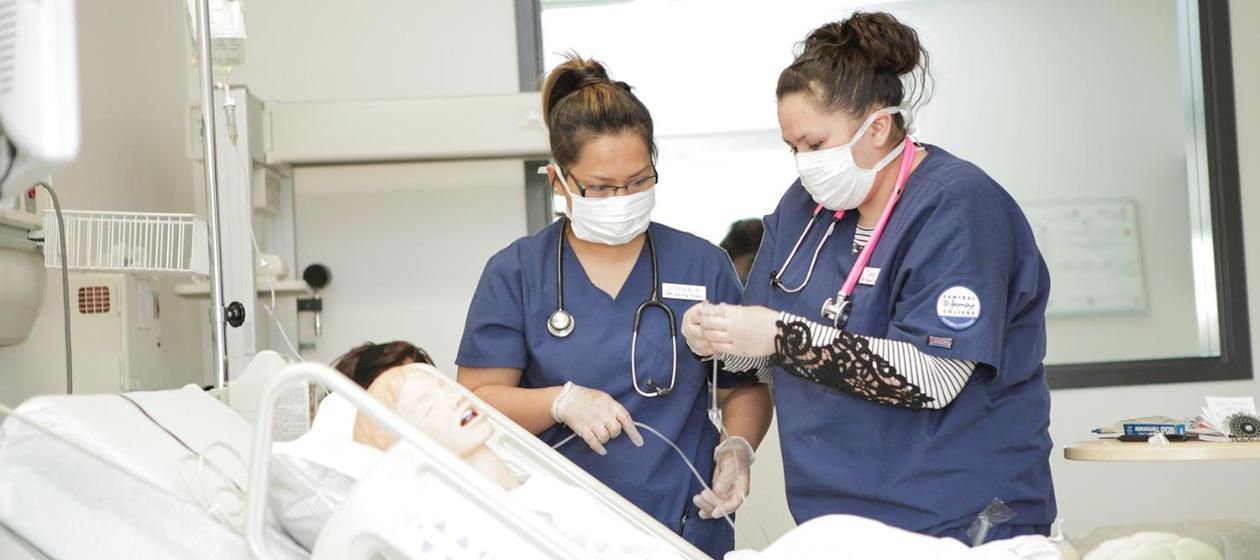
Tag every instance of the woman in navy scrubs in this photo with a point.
(908, 367)
(550, 335)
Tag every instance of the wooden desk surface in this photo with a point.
(1114, 450)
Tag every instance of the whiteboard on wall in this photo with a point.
(1093, 251)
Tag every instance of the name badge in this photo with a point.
(688, 292)
(869, 276)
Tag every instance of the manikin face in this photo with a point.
(434, 407)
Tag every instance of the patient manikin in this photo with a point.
(314, 473)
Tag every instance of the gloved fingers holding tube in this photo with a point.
(731, 479)
(740, 330)
(594, 416)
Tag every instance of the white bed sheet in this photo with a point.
(108, 483)
(70, 505)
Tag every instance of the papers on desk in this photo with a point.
(1228, 418)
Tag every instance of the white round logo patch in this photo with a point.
(958, 308)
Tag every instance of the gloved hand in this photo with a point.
(692, 331)
(594, 416)
(734, 457)
(740, 330)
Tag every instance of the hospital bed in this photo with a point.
(159, 474)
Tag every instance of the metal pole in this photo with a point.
(212, 194)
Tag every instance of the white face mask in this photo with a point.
(831, 176)
(613, 220)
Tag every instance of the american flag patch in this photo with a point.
(940, 342)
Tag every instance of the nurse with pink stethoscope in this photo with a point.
(906, 337)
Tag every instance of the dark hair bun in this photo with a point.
(876, 38)
(569, 76)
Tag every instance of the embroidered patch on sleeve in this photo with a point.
(958, 308)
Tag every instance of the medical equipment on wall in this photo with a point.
(118, 335)
(560, 324)
(115, 258)
(257, 235)
(381, 513)
(317, 276)
(837, 308)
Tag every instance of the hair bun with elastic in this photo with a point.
(574, 74)
(876, 39)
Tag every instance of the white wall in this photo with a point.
(323, 50)
(406, 244)
(132, 86)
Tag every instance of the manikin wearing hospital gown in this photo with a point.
(343, 446)
(443, 414)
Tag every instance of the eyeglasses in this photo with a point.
(604, 191)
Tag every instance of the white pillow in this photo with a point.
(1153, 546)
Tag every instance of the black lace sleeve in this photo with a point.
(847, 364)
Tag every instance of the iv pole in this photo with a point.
(217, 309)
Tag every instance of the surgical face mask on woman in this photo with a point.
(613, 220)
(831, 176)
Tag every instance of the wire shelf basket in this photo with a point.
(137, 242)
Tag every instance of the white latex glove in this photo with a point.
(594, 416)
(740, 330)
(693, 332)
(730, 479)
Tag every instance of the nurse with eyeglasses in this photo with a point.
(575, 329)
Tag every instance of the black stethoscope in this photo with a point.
(560, 323)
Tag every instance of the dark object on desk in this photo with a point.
(1142, 438)
(1244, 426)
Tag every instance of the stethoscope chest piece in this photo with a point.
(560, 323)
(837, 309)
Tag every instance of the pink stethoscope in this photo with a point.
(838, 308)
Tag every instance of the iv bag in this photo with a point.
(227, 33)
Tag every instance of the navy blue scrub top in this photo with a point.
(506, 328)
(930, 471)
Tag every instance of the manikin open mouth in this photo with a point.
(468, 417)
